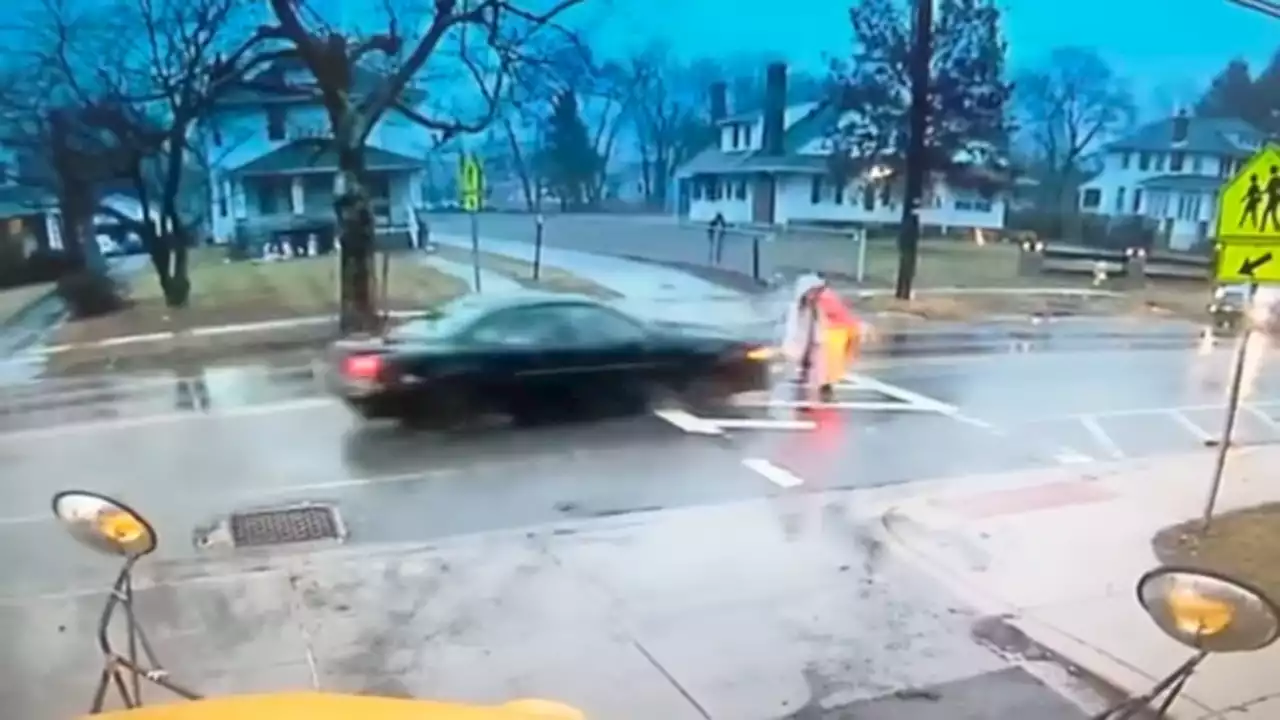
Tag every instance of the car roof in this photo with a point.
(484, 303)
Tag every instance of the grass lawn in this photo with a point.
(242, 292)
(15, 300)
(953, 263)
(1240, 543)
(552, 279)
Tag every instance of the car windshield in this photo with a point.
(443, 321)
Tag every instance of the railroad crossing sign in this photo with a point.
(1248, 231)
(471, 181)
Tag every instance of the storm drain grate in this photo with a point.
(290, 525)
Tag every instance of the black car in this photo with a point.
(531, 355)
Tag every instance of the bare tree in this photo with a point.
(483, 40)
(669, 117)
(1071, 102)
(124, 87)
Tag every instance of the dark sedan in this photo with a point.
(530, 356)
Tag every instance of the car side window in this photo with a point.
(520, 327)
(597, 326)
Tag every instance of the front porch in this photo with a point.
(291, 192)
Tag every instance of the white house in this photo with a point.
(271, 170)
(772, 167)
(1170, 172)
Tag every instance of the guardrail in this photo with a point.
(1135, 265)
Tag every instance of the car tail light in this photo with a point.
(362, 367)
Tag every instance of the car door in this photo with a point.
(523, 357)
(613, 350)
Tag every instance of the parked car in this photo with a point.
(534, 355)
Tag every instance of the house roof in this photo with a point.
(270, 85)
(1194, 183)
(303, 156)
(1218, 136)
(813, 121)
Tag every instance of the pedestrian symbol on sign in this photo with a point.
(1249, 204)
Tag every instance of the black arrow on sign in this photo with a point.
(1251, 265)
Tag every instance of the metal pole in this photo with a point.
(861, 274)
(1233, 406)
(537, 249)
(755, 256)
(475, 247)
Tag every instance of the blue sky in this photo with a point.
(1168, 48)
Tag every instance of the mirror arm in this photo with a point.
(1173, 683)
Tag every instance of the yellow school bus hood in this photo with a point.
(325, 706)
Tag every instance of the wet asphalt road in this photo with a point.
(190, 451)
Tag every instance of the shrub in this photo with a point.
(88, 294)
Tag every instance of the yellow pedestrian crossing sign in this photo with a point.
(1248, 263)
(1249, 205)
(471, 183)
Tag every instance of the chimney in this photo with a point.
(719, 94)
(1181, 124)
(775, 108)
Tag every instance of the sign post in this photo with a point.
(471, 183)
(1248, 252)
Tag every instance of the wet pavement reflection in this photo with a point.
(189, 448)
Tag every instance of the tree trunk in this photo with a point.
(357, 312)
(917, 156)
(522, 168)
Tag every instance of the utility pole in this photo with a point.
(917, 158)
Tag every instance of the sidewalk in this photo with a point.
(1059, 552)
(648, 289)
(776, 608)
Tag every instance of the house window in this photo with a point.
(1224, 166)
(815, 190)
(1092, 198)
(737, 136)
(275, 123)
(1144, 161)
(1119, 200)
(1124, 160)
(741, 190)
(696, 190)
(1158, 163)
(1176, 161)
(1197, 164)
(275, 196)
(1137, 201)
(839, 192)
(713, 188)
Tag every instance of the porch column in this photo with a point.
(296, 194)
(239, 199)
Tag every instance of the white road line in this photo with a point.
(96, 426)
(819, 405)
(1201, 434)
(901, 393)
(1095, 430)
(1071, 456)
(688, 422)
(26, 520)
(761, 424)
(773, 473)
(1263, 418)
